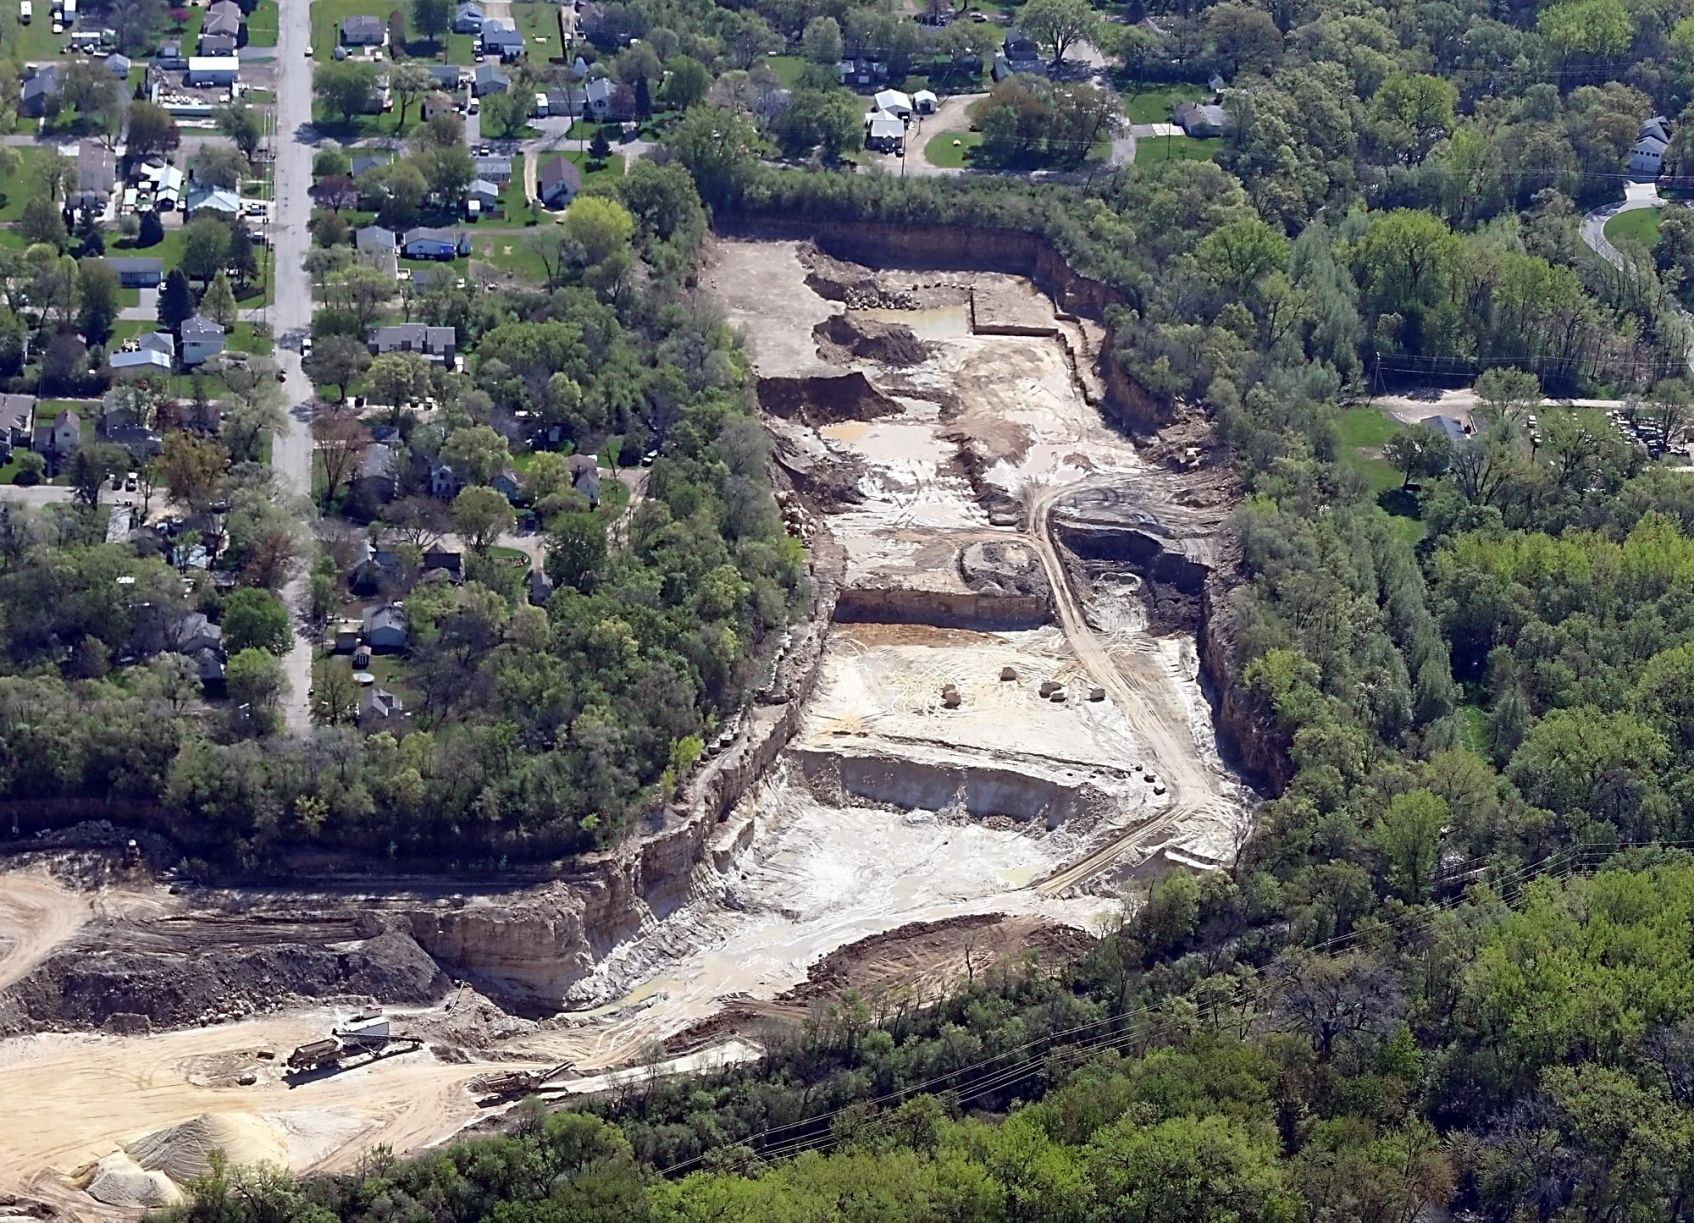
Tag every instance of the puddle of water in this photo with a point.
(845, 430)
(941, 323)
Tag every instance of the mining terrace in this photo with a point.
(992, 727)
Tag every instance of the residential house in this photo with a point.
(202, 339)
(508, 483)
(468, 19)
(925, 102)
(141, 442)
(1004, 67)
(444, 482)
(119, 66)
(494, 169)
(490, 79)
(894, 102)
(1019, 46)
(585, 477)
(205, 71)
(380, 710)
(138, 273)
(376, 246)
(366, 162)
(170, 57)
(1647, 158)
(139, 363)
(501, 38)
(607, 30)
(438, 103)
(540, 587)
(40, 90)
(17, 418)
(223, 18)
(162, 183)
(885, 134)
(217, 46)
(565, 103)
(385, 628)
(222, 200)
(1200, 120)
(447, 76)
(363, 32)
(558, 181)
(378, 479)
(605, 99)
(96, 167)
(437, 343)
(482, 197)
(1454, 428)
(421, 242)
(440, 560)
(192, 632)
(862, 72)
(59, 436)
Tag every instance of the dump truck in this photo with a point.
(499, 1086)
(366, 1038)
(316, 1054)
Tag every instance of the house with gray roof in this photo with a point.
(436, 343)
(501, 38)
(468, 19)
(363, 31)
(202, 339)
(558, 181)
(490, 79)
(385, 628)
(138, 273)
(39, 90)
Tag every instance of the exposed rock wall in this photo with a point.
(942, 609)
(963, 248)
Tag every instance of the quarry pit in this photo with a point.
(999, 727)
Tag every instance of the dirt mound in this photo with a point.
(183, 1152)
(856, 286)
(469, 1021)
(994, 568)
(119, 1181)
(844, 336)
(89, 983)
(822, 401)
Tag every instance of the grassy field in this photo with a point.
(24, 184)
(1640, 225)
(261, 25)
(787, 67)
(1178, 148)
(1155, 103)
(509, 250)
(327, 16)
(951, 150)
(1364, 432)
(513, 204)
(539, 25)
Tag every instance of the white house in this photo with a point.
(894, 102)
(884, 133)
(202, 339)
(212, 199)
(1647, 158)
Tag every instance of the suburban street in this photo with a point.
(291, 452)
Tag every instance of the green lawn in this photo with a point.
(611, 168)
(261, 25)
(509, 250)
(23, 184)
(1155, 103)
(1364, 432)
(952, 149)
(1177, 148)
(1640, 225)
(327, 16)
(787, 67)
(248, 338)
(461, 49)
(514, 206)
(539, 25)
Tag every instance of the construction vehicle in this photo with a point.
(365, 1039)
(499, 1086)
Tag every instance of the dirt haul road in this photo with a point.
(37, 914)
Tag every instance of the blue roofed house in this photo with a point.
(468, 19)
(221, 200)
(421, 242)
(138, 273)
(39, 90)
(501, 38)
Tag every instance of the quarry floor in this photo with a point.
(903, 840)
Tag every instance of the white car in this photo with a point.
(308, 50)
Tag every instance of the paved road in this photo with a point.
(291, 452)
(1593, 229)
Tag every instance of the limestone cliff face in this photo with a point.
(964, 248)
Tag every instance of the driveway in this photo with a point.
(291, 316)
(1636, 196)
(35, 496)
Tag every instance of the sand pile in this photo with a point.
(118, 1180)
(184, 1151)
